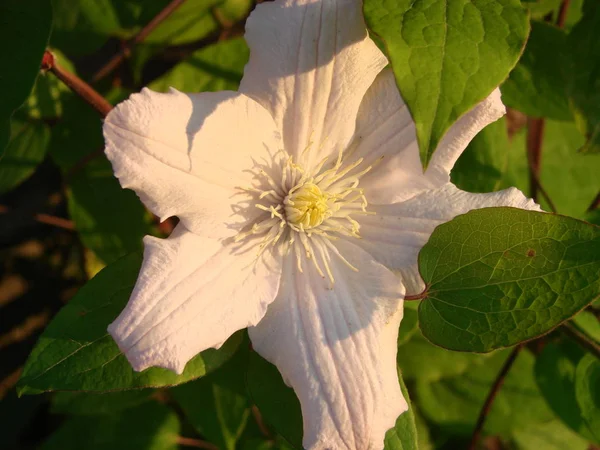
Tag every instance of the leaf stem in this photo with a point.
(562, 13)
(420, 296)
(125, 51)
(492, 395)
(197, 443)
(535, 136)
(47, 219)
(76, 84)
(570, 330)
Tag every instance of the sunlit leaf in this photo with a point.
(447, 55)
(500, 276)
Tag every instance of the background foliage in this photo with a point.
(64, 217)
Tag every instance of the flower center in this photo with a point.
(306, 206)
(304, 211)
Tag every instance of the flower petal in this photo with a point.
(311, 63)
(457, 138)
(396, 233)
(386, 138)
(192, 294)
(184, 154)
(336, 347)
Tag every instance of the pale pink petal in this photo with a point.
(184, 154)
(192, 294)
(386, 139)
(311, 63)
(336, 347)
(457, 138)
(396, 233)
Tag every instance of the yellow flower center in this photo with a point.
(306, 206)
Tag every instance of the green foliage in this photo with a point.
(587, 393)
(537, 85)
(217, 404)
(447, 55)
(87, 403)
(24, 30)
(555, 375)
(500, 276)
(148, 427)
(217, 67)
(584, 82)
(75, 352)
(97, 203)
(26, 149)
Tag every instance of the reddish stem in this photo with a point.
(76, 84)
(487, 406)
(125, 51)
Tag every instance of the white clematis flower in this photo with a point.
(300, 198)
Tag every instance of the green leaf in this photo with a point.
(111, 221)
(482, 165)
(217, 67)
(500, 276)
(587, 393)
(24, 30)
(280, 407)
(584, 71)
(447, 55)
(89, 403)
(570, 178)
(404, 434)
(148, 427)
(49, 93)
(537, 85)
(588, 323)
(555, 376)
(25, 151)
(217, 405)
(277, 402)
(75, 352)
(82, 26)
(419, 359)
(551, 435)
(408, 326)
(454, 402)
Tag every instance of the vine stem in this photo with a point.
(570, 330)
(76, 84)
(125, 51)
(562, 13)
(47, 219)
(492, 395)
(197, 443)
(595, 203)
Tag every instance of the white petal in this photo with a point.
(396, 233)
(192, 294)
(336, 347)
(457, 138)
(184, 154)
(311, 63)
(386, 138)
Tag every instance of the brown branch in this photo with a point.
(535, 136)
(76, 84)
(562, 13)
(260, 422)
(125, 52)
(47, 219)
(487, 406)
(595, 203)
(197, 443)
(570, 330)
